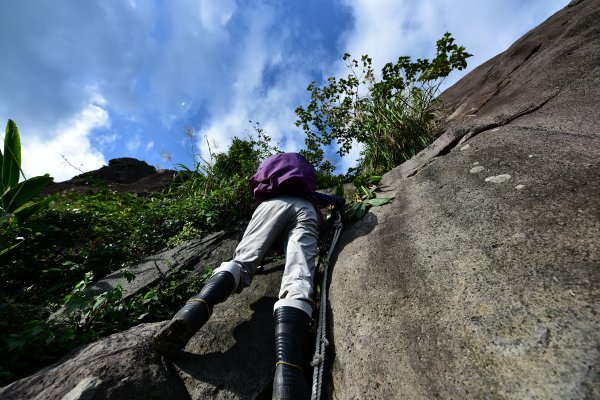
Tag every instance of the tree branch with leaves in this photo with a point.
(392, 118)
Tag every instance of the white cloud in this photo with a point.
(149, 146)
(202, 58)
(387, 29)
(231, 118)
(215, 14)
(69, 144)
(375, 22)
(106, 140)
(216, 137)
(62, 50)
(134, 143)
(269, 76)
(191, 64)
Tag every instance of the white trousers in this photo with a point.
(295, 221)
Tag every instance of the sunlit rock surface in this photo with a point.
(482, 278)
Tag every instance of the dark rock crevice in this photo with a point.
(506, 81)
(465, 132)
(532, 52)
(504, 120)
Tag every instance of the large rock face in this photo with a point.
(482, 278)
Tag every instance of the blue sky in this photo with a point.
(88, 81)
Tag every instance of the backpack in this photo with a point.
(284, 173)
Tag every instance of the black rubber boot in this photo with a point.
(291, 334)
(175, 335)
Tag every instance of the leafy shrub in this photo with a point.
(393, 118)
(100, 315)
(29, 341)
(364, 197)
(39, 340)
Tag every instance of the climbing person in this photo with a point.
(288, 210)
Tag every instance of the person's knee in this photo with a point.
(234, 269)
(305, 305)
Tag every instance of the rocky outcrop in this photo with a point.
(121, 366)
(123, 170)
(123, 175)
(481, 279)
(232, 357)
(190, 258)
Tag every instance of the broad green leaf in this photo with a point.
(11, 160)
(15, 343)
(22, 193)
(365, 192)
(378, 201)
(361, 211)
(6, 250)
(31, 208)
(375, 179)
(100, 301)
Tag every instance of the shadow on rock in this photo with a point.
(354, 230)
(245, 368)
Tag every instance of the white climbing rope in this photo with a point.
(318, 361)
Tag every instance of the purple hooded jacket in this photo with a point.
(289, 173)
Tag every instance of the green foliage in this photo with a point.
(364, 197)
(94, 233)
(104, 231)
(10, 161)
(392, 118)
(16, 202)
(222, 179)
(327, 180)
(100, 315)
(28, 340)
(16, 198)
(40, 340)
